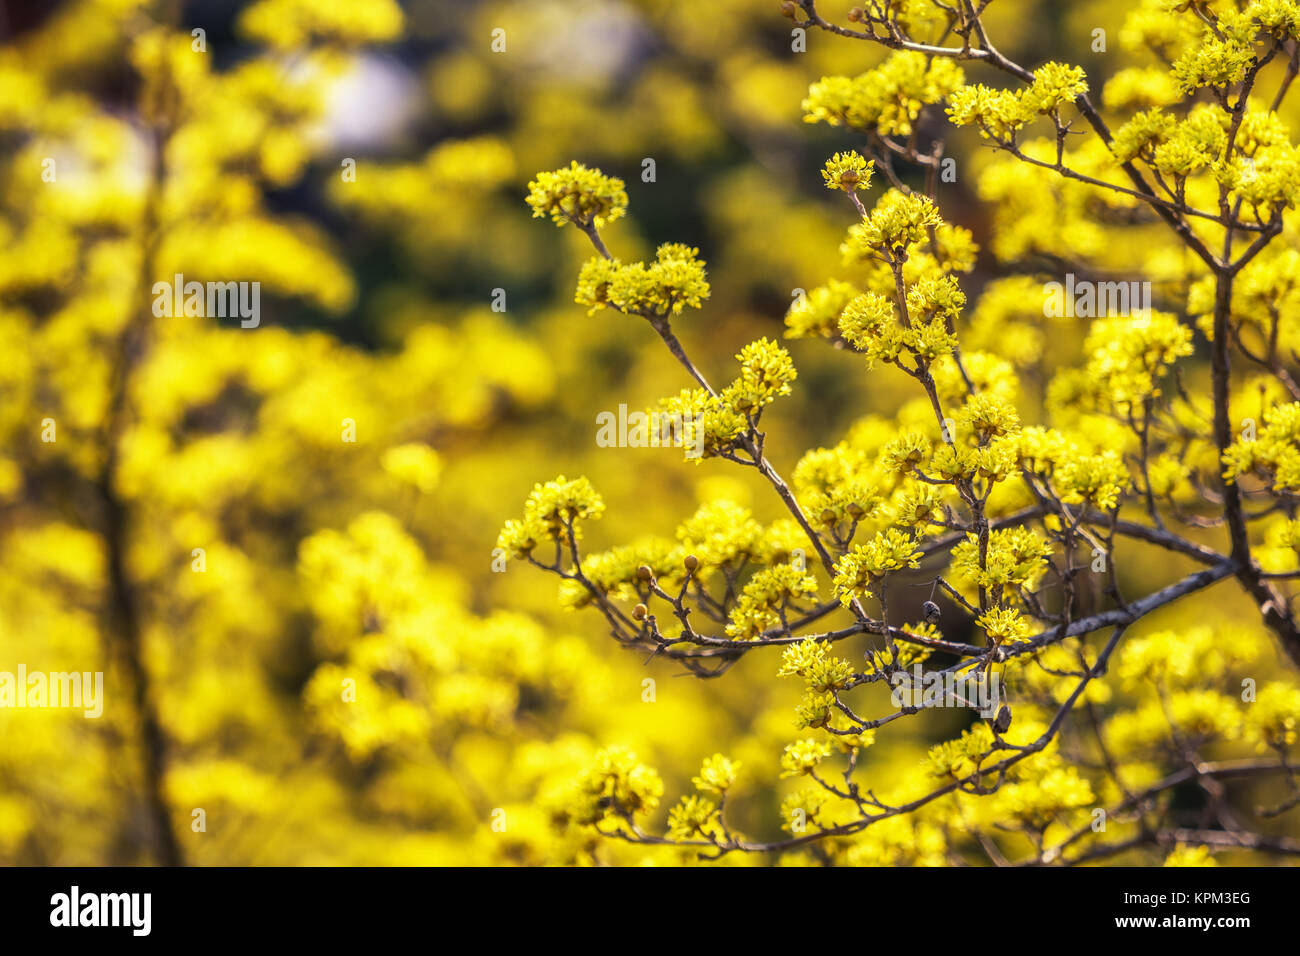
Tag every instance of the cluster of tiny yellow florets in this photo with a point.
(615, 784)
(695, 816)
(888, 98)
(766, 372)
(823, 673)
(1003, 624)
(847, 171)
(1000, 114)
(890, 550)
(1130, 354)
(803, 756)
(585, 197)
(765, 600)
(898, 220)
(1013, 558)
(551, 509)
(674, 280)
(1273, 454)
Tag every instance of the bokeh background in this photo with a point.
(372, 561)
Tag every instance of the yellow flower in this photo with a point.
(415, 464)
(847, 171)
(582, 196)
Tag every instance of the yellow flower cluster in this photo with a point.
(585, 197)
(673, 281)
(1014, 557)
(818, 312)
(1273, 454)
(615, 784)
(890, 550)
(765, 599)
(899, 220)
(551, 509)
(888, 98)
(847, 171)
(803, 756)
(1001, 114)
(822, 671)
